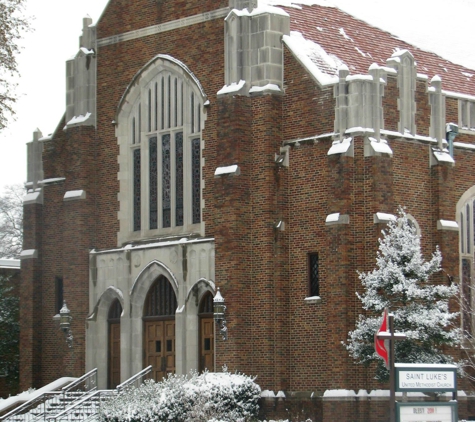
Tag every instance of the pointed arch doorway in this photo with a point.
(159, 328)
(206, 321)
(113, 319)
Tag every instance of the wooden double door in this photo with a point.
(160, 347)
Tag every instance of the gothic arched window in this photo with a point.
(160, 136)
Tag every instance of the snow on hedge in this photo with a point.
(197, 397)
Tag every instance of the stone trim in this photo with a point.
(73, 195)
(337, 218)
(447, 225)
(28, 254)
(233, 170)
(164, 27)
(313, 300)
(35, 197)
(381, 217)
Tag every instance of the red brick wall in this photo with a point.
(262, 273)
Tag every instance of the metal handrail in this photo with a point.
(30, 404)
(80, 402)
(87, 375)
(134, 378)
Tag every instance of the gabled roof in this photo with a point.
(358, 45)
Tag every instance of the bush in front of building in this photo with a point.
(198, 397)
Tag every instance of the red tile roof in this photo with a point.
(359, 45)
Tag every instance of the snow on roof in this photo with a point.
(329, 33)
(322, 66)
(297, 4)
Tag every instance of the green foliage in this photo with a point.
(9, 334)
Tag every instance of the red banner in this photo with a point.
(379, 345)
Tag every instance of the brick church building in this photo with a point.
(234, 144)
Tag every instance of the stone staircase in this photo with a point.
(78, 401)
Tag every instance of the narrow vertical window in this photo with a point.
(181, 102)
(468, 228)
(163, 103)
(179, 178)
(140, 124)
(156, 106)
(153, 183)
(198, 114)
(137, 187)
(313, 275)
(192, 109)
(462, 234)
(176, 102)
(169, 101)
(166, 181)
(473, 224)
(133, 131)
(196, 179)
(467, 297)
(59, 294)
(149, 110)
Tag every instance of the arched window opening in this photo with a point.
(113, 319)
(467, 245)
(206, 358)
(171, 171)
(159, 326)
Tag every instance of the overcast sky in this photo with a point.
(444, 27)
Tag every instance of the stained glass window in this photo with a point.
(313, 274)
(169, 159)
(166, 182)
(468, 229)
(153, 183)
(196, 179)
(467, 297)
(179, 178)
(137, 187)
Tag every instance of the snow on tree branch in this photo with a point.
(11, 221)
(402, 283)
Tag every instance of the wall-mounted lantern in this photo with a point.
(65, 324)
(451, 131)
(219, 311)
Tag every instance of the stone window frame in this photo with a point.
(465, 212)
(136, 127)
(467, 114)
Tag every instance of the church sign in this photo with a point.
(426, 377)
(426, 412)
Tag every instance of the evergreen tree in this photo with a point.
(9, 333)
(401, 282)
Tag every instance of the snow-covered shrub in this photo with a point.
(220, 396)
(402, 283)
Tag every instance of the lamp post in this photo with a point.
(219, 308)
(65, 324)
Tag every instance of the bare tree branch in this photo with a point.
(12, 25)
(11, 221)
